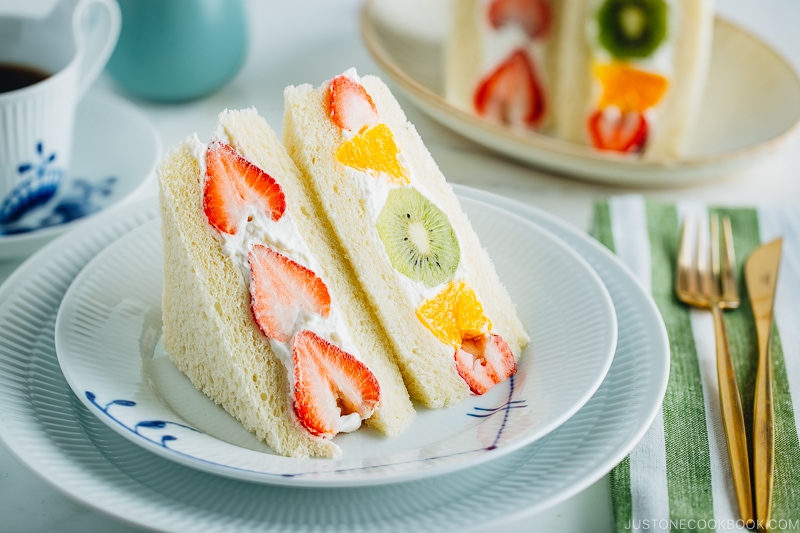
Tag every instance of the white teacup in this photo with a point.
(69, 47)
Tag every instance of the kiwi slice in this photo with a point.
(418, 238)
(632, 28)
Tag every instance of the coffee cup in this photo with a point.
(46, 66)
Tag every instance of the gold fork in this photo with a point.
(713, 286)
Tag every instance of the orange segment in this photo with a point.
(375, 150)
(628, 88)
(438, 314)
(470, 320)
(454, 314)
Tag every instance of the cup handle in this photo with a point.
(96, 25)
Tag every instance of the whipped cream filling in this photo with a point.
(373, 191)
(257, 227)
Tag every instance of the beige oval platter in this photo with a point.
(752, 103)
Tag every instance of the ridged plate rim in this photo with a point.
(88, 462)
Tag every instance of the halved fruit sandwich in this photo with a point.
(500, 60)
(433, 287)
(259, 309)
(632, 74)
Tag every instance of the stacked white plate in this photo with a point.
(108, 420)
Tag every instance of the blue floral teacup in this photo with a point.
(46, 65)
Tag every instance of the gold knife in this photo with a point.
(761, 276)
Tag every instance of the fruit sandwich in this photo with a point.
(259, 309)
(432, 286)
(500, 60)
(624, 76)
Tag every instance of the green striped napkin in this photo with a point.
(678, 478)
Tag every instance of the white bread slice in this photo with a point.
(473, 48)
(312, 139)
(463, 54)
(209, 332)
(690, 34)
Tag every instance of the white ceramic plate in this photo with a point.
(48, 429)
(752, 102)
(107, 341)
(115, 152)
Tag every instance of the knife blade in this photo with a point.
(761, 278)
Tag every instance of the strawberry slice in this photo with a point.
(333, 391)
(281, 290)
(610, 129)
(233, 186)
(350, 107)
(485, 361)
(512, 93)
(534, 16)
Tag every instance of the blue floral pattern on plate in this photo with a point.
(152, 424)
(164, 439)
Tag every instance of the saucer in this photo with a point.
(115, 152)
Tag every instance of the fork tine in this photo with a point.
(713, 237)
(685, 280)
(729, 288)
(703, 258)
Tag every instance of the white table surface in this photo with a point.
(312, 40)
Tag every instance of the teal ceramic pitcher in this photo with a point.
(174, 50)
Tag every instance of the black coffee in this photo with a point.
(13, 77)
